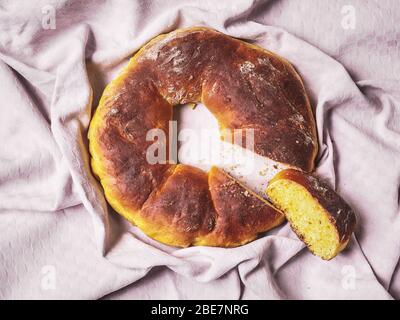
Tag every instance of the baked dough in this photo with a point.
(244, 86)
(318, 215)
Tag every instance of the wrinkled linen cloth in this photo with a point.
(58, 237)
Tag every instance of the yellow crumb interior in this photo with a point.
(306, 216)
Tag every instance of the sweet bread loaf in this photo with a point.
(244, 86)
(318, 215)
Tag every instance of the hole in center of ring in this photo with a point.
(199, 144)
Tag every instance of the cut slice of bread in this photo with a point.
(316, 213)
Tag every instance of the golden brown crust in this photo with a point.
(131, 112)
(241, 214)
(192, 208)
(340, 213)
(244, 86)
(181, 207)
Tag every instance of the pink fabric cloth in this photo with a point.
(59, 239)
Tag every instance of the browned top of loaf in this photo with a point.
(181, 205)
(241, 215)
(242, 85)
(207, 209)
(340, 213)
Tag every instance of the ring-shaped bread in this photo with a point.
(244, 86)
